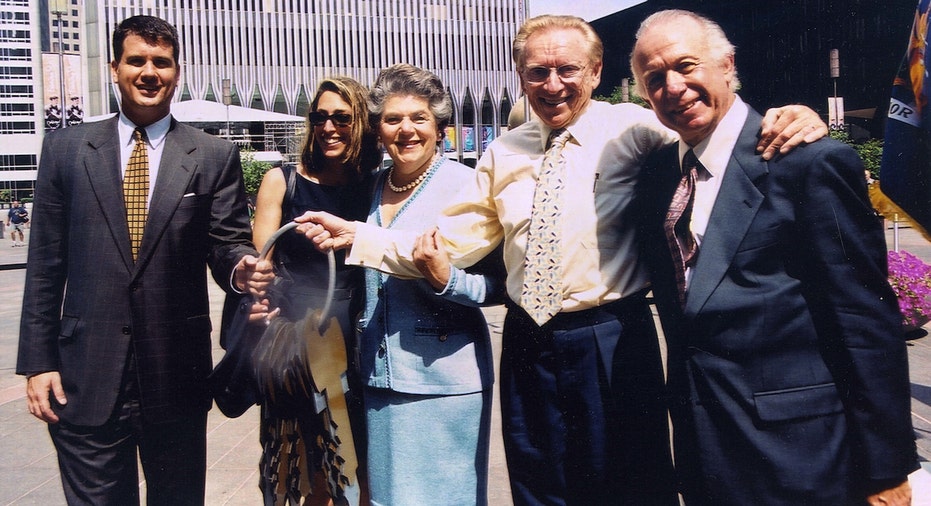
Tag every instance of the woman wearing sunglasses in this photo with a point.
(338, 156)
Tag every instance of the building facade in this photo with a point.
(41, 83)
(21, 109)
(783, 50)
(54, 57)
(274, 52)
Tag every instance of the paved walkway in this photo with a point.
(29, 472)
(28, 466)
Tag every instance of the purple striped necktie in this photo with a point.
(678, 232)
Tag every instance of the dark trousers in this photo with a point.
(99, 464)
(583, 408)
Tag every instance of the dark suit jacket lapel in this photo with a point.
(174, 174)
(102, 164)
(734, 209)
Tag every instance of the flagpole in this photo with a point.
(58, 12)
(838, 120)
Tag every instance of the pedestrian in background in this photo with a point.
(16, 220)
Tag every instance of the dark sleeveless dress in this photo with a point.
(291, 450)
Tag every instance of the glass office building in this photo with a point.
(274, 52)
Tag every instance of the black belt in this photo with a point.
(566, 320)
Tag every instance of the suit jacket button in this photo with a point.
(442, 338)
(127, 330)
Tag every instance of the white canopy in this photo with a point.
(205, 111)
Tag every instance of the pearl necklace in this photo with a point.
(413, 184)
(409, 186)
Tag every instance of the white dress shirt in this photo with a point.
(714, 153)
(155, 136)
(600, 255)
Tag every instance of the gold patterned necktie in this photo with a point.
(678, 231)
(541, 295)
(136, 190)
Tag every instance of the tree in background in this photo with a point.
(870, 150)
(617, 96)
(252, 171)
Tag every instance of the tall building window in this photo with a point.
(17, 127)
(18, 162)
(15, 54)
(17, 109)
(16, 91)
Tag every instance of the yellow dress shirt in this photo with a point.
(600, 256)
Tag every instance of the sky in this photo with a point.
(588, 10)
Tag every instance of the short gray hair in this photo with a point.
(719, 47)
(405, 79)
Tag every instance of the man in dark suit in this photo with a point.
(787, 366)
(115, 332)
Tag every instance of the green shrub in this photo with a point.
(252, 171)
(870, 150)
(616, 96)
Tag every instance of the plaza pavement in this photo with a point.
(28, 467)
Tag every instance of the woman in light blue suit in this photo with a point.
(425, 353)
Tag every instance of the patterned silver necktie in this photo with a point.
(541, 295)
(682, 244)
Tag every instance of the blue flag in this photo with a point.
(905, 175)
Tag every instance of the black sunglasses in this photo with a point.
(339, 119)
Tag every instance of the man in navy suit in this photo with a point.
(787, 365)
(115, 334)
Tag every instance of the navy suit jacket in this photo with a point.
(87, 305)
(787, 366)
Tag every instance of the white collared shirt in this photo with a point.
(714, 153)
(155, 135)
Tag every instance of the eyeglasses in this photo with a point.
(339, 119)
(564, 72)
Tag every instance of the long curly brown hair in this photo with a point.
(362, 155)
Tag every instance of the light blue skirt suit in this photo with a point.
(427, 364)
